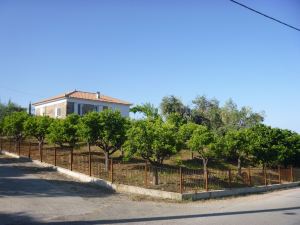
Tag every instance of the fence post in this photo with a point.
(180, 180)
(1, 144)
(279, 174)
(55, 152)
(29, 150)
(292, 174)
(71, 159)
(90, 160)
(146, 174)
(265, 176)
(270, 178)
(206, 180)
(229, 178)
(111, 171)
(19, 148)
(9, 145)
(249, 176)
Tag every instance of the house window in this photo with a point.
(70, 108)
(79, 109)
(105, 107)
(57, 112)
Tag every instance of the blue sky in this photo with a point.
(141, 51)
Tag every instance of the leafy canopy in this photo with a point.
(88, 128)
(64, 131)
(13, 125)
(38, 127)
(112, 130)
(204, 142)
(153, 140)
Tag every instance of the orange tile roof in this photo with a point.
(83, 95)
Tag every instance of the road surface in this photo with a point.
(30, 194)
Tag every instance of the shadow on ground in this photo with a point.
(19, 218)
(19, 178)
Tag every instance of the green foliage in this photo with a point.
(204, 142)
(88, 129)
(63, 131)
(266, 142)
(9, 108)
(112, 131)
(185, 133)
(13, 125)
(170, 105)
(207, 112)
(237, 142)
(38, 127)
(147, 109)
(153, 140)
(176, 119)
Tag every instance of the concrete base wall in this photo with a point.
(157, 193)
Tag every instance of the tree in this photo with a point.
(112, 133)
(64, 131)
(9, 108)
(88, 128)
(171, 104)
(147, 109)
(204, 142)
(56, 133)
(289, 144)
(234, 119)
(207, 112)
(185, 133)
(237, 145)
(13, 125)
(264, 144)
(153, 140)
(38, 127)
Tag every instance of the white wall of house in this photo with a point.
(124, 109)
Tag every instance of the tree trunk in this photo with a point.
(239, 166)
(41, 151)
(106, 161)
(155, 175)
(71, 159)
(205, 161)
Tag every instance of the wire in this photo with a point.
(260, 13)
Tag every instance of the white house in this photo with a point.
(79, 102)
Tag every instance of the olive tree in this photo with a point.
(153, 140)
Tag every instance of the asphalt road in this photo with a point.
(33, 195)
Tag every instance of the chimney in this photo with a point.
(98, 95)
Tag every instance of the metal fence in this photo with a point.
(142, 174)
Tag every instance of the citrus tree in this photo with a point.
(153, 140)
(13, 126)
(111, 133)
(38, 127)
(204, 142)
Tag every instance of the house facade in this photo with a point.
(79, 102)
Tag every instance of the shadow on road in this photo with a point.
(19, 218)
(19, 178)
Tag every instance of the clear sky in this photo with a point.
(141, 51)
